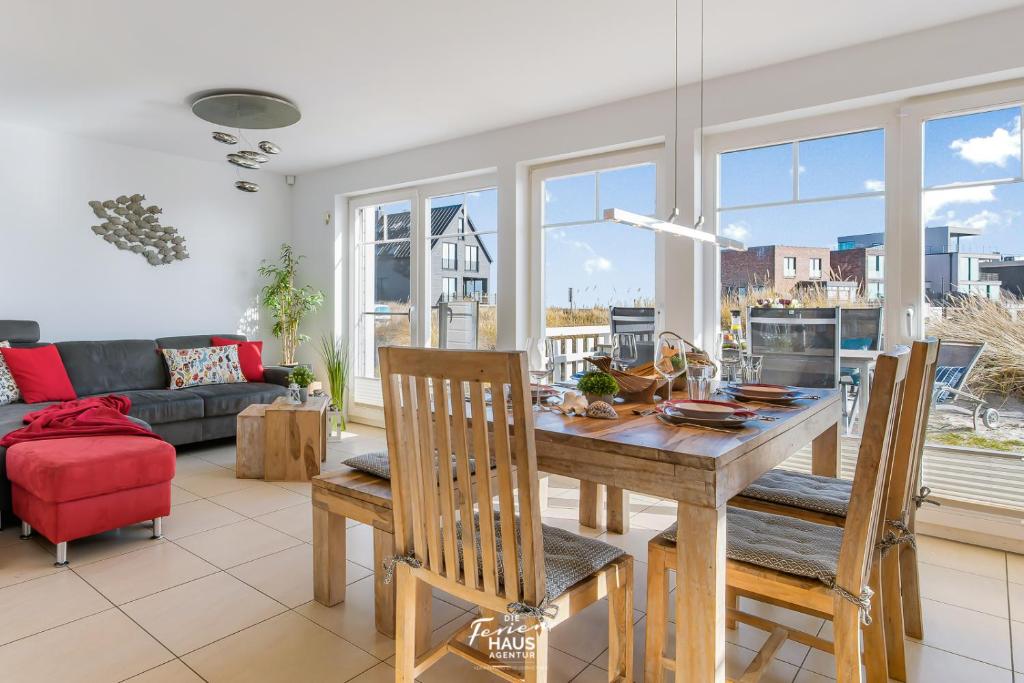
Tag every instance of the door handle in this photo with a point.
(910, 321)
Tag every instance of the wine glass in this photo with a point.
(541, 364)
(670, 358)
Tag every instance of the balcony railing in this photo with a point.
(571, 345)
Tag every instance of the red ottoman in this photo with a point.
(71, 488)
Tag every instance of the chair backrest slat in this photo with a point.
(460, 432)
(485, 496)
(506, 493)
(428, 476)
(910, 432)
(442, 418)
(873, 461)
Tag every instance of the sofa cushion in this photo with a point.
(40, 374)
(105, 367)
(250, 356)
(193, 341)
(59, 470)
(157, 406)
(8, 387)
(231, 399)
(201, 366)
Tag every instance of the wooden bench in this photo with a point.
(338, 496)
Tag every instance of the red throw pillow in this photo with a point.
(250, 356)
(39, 374)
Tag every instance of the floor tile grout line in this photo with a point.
(964, 571)
(1009, 612)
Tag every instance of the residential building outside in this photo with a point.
(863, 265)
(777, 266)
(460, 264)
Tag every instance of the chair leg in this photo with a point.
(732, 601)
(620, 624)
(892, 610)
(405, 624)
(657, 618)
(910, 584)
(874, 633)
(846, 630)
(536, 667)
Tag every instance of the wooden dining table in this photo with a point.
(701, 470)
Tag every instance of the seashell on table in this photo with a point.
(602, 411)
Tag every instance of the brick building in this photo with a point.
(774, 265)
(863, 265)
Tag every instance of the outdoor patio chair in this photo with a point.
(860, 330)
(799, 346)
(956, 361)
(632, 336)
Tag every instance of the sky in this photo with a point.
(608, 264)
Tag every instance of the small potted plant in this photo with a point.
(302, 376)
(334, 356)
(598, 386)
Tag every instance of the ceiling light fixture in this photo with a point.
(246, 110)
(670, 226)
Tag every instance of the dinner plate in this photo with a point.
(765, 390)
(734, 421)
(780, 401)
(707, 410)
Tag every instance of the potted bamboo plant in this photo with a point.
(334, 356)
(286, 302)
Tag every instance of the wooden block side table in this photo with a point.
(295, 439)
(250, 441)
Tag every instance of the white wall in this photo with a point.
(983, 49)
(55, 270)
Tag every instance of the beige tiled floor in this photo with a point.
(227, 596)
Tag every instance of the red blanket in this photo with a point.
(98, 416)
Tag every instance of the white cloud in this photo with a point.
(874, 185)
(934, 201)
(592, 265)
(997, 148)
(982, 220)
(737, 231)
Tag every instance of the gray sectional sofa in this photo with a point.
(136, 369)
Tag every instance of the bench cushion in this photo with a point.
(827, 495)
(59, 470)
(378, 464)
(158, 406)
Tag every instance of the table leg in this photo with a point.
(328, 557)
(825, 452)
(700, 595)
(618, 510)
(591, 499)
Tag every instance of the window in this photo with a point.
(876, 291)
(449, 285)
(875, 265)
(789, 266)
(972, 200)
(466, 222)
(590, 265)
(449, 256)
(815, 268)
(472, 258)
(844, 245)
(474, 288)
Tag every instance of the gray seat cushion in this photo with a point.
(14, 413)
(805, 491)
(105, 367)
(231, 399)
(785, 544)
(378, 464)
(568, 558)
(159, 406)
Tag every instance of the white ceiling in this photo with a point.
(376, 76)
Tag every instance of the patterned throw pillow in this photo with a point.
(8, 388)
(210, 365)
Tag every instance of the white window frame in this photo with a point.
(365, 403)
(815, 268)
(788, 271)
(454, 260)
(471, 265)
(649, 154)
(882, 117)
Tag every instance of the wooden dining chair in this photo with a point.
(826, 500)
(506, 563)
(819, 569)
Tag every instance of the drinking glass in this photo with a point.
(670, 358)
(698, 382)
(541, 364)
